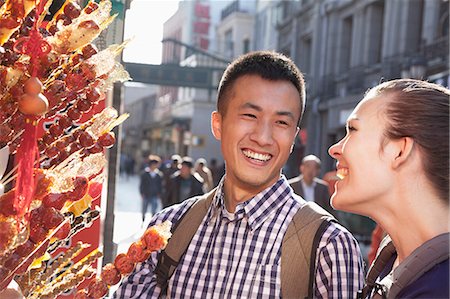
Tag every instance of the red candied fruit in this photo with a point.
(124, 264)
(55, 200)
(137, 252)
(72, 10)
(56, 130)
(107, 140)
(97, 288)
(153, 240)
(25, 249)
(90, 7)
(83, 105)
(73, 113)
(7, 232)
(96, 148)
(81, 294)
(94, 95)
(63, 232)
(110, 275)
(64, 122)
(85, 139)
(52, 151)
(38, 233)
(52, 218)
(80, 187)
(89, 50)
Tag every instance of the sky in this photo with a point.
(144, 24)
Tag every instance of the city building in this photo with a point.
(345, 47)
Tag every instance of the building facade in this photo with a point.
(345, 47)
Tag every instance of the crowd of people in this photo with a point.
(162, 184)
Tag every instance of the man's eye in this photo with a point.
(282, 122)
(249, 115)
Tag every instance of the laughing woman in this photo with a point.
(393, 166)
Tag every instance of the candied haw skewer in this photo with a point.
(90, 7)
(89, 50)
(97, 288)
(72, 10)
(124, 264)
(110, 275)
(137, 252)
(85, 139)
(107, 139)
(96, 148)
(81, 294)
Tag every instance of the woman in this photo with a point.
(393, 166)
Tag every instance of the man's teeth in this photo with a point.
(341, 173)
(256, 156)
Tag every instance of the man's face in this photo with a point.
(258, 131)
(185, 171)
(309, 169)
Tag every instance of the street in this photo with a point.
(128, 220)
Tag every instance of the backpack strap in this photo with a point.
(385, 253)
(298, 250)
(421, 260)
(169, 258)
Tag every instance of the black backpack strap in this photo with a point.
(298, 250)
(177, 245)
(385, 254)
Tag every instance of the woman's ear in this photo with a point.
(404, 150)
(216, 125)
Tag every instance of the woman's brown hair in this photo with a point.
(420, 110)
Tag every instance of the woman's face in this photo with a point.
(362, 163)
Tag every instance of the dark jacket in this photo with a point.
(150, 186)
(173, 190)
(321, 195)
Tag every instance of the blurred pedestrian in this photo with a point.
(309, 186)
(217, 171)
(150, 186)
(172, 166)
(183, 184)
(202, 169)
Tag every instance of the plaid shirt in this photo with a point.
(238, 255)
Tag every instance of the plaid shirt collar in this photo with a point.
(256, 209)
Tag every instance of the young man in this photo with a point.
(237, 248)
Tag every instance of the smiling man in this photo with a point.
(236, 250)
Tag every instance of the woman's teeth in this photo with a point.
(342, 173)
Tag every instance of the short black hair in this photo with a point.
(187, 161)
(267, 64)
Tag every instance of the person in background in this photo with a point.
(183, 184)
(150, 186)
(309, 186)
(169, 169)
(236, 251)
(393, 165)
(217, 171)
(202, 169)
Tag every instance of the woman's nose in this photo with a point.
(335, 150)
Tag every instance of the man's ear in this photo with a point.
(295, 136)
(216, 125)
(404, 150)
